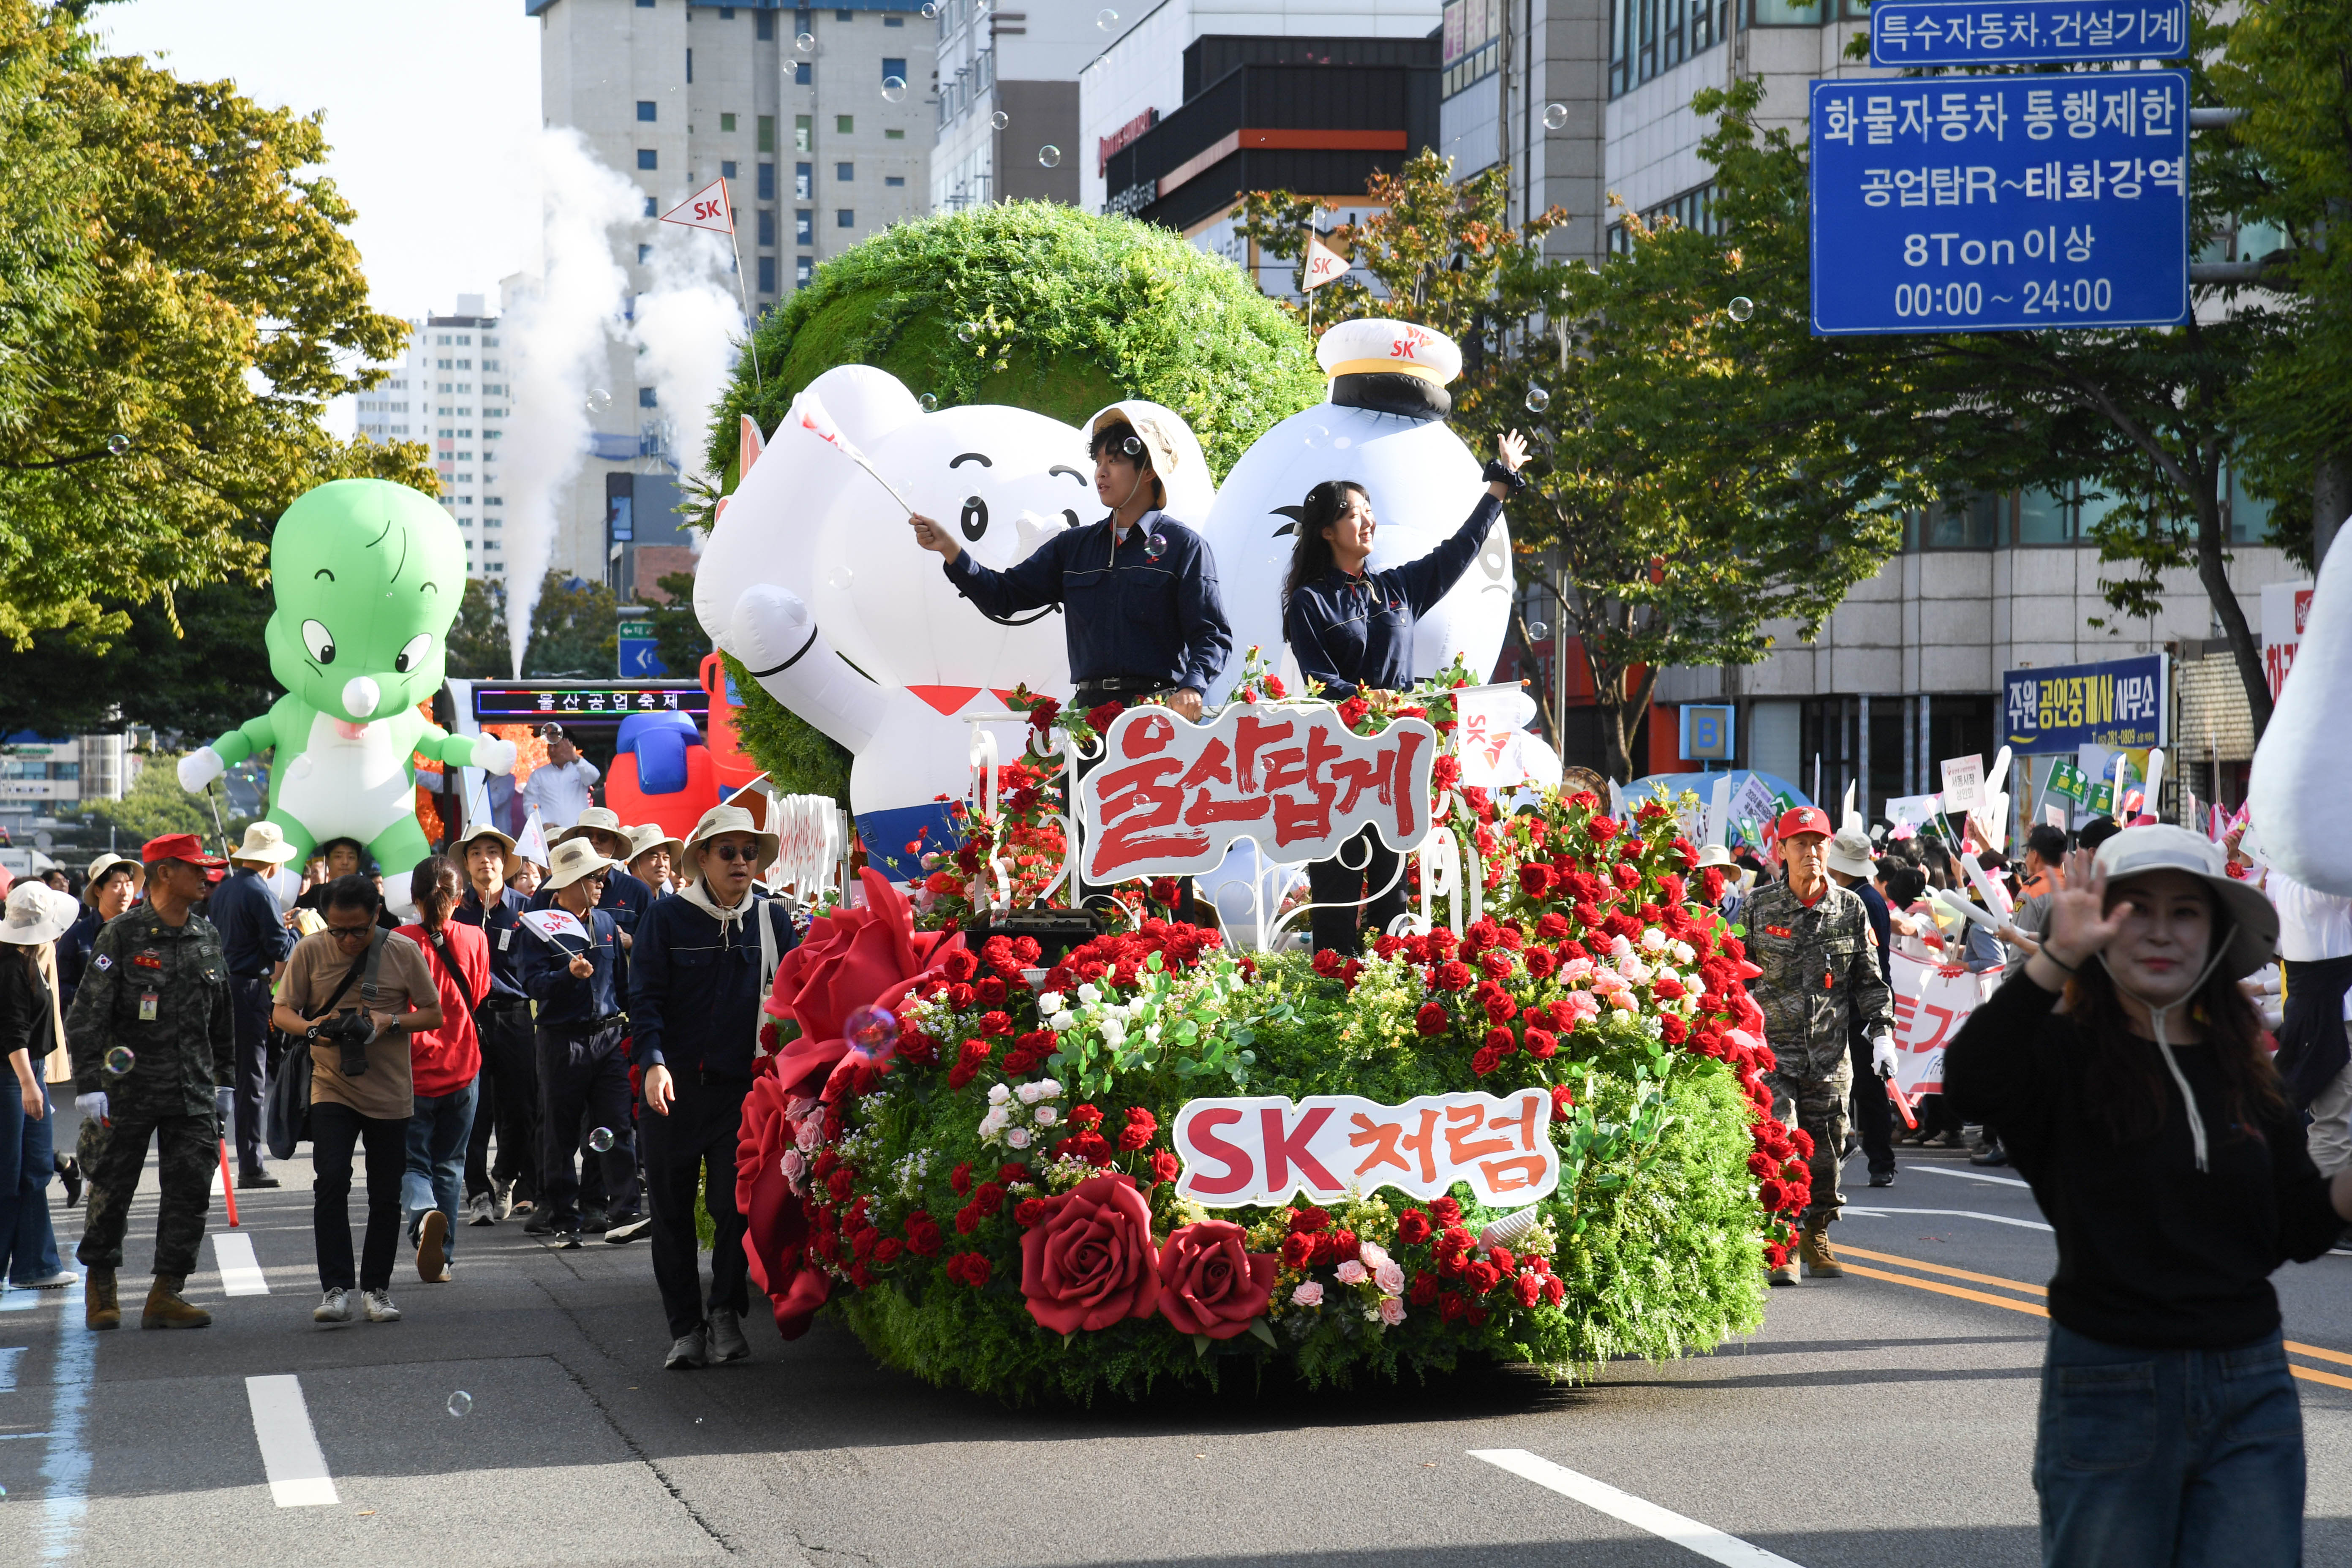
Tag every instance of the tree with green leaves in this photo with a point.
(574, 629)
(478, 645)
(179, 300)
(678, 637)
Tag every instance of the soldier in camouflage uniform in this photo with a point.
(1821, 981)
(157, 989)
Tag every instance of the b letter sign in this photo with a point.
(1170, 795)
(1263, 1149)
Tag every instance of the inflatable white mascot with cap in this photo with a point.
(1384, 426)
(810, 579)
(2295, 794)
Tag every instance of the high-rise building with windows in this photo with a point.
(449, 392)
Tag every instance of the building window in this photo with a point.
(803, 74)
(647, 110)
(725, 123)
(844, 218)
(647, 159)
(644, 253)
(894, 135)
(768, 226)
(804, 227)
(1470, 42)
(767, 182)
(801, 268)
(844, 124)
(644, 397)
(726, 169)
(894, 21)
(891, 68)
(690, 63)
(645, 4)
(763, 26)
(803, 132)
(1968, 523)
(894, 179)
(803, 178)
(767, 275)
(649, 208)
(767, 133)
(845, 15)
(843, 173)
(1786, 12)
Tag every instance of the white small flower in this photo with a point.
(1051, 1002)
(1062, 1023)
(1018, 1138)
(1684, 952)
(1114, 1033)
(1031, 1093)
(998, 1093)
(1090, 994)
(1046, 1116)
(1653, 940)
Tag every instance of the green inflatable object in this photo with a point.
(1034, 304)
(367, 576)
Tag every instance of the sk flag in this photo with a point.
(707, 208)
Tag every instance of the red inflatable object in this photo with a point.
(678, 811)
(734, 769)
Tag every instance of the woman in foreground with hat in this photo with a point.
(2127, 1071)
(31, 1026)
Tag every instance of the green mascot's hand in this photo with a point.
(199, 768)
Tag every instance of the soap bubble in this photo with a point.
(120, 1061)
(118, 443)
(840, 577)
(460, 1403)
(1740, 308)
(964, 331)
(930, 402)
(870, 1031)
(1538, 400)
(1539, 630)
(1555, 116)
(1106, 20)
(601, 1140)
(894, 90)
(1049, 156)
(1000, 119)
(1155, 547)
(930, 10)
(598, 400)
(804, 44)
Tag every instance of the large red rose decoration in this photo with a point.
(775, 1237)
(1088, 1261)
(853, 958)
(1210, 1283)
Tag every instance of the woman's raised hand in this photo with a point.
(2080, 924)
(1511, 447)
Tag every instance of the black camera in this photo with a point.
(351, 1033)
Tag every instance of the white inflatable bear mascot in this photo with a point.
(813, 580)
(2306, 754)
(1384, 426)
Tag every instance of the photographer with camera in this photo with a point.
(356, 992)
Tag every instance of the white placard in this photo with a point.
(1930, 1008)
(1914, 809)
(1259, 1150)
(1964, 783)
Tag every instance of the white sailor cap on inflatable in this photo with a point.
(1375, 347)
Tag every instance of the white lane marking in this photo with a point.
(240, 1271)
(1874, 1211)
(8, 1359)
(1665, 1523)
(1970, 1175)
(65, 1468)
(289, 1448)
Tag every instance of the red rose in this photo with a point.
(1451, 1306)
(1412, 1227)
(1352, 711)
(1088, 1261)
(1601, 828)
(1099, 718)
(1274, 686)
(1445, 1212)
(1140, 1129)
(1529, 1288)
(1086, 1118)
(1802, 1141)
(989, 1199)
(1453, 976)
(1534, 880)
(1500, 1008)
(1673, 1030)
(887, 1250)
(851, 958)
(1028, 1212)
(1297, 1251)
(1444, 773)
(1540, 962)
(996, 1023)
(1309, 1221)
(1431, 1019)
(1485, 1059)
(1563, 1100)
(1553, 927)
(1424, 1288)
(959, 1178)
(1553, 1290)
(1771, 1193)
(1497, 964)
(1541, 1044)
(1164, 1167)
(1328, 963)
(923, 1234)
(969, 1269)
(1208, 1283)
(1483, 1277)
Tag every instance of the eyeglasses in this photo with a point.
(734, 852)
(350, 934)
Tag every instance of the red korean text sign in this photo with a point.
(1170, 795)
(1930, 1008)
(1261, 1150)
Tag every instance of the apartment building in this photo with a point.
(449, 391)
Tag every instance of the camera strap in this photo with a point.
(374, 962)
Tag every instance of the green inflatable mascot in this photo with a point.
(367, 576)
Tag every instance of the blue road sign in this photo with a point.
(1990, 204)
(2024, 32)
(641, 659)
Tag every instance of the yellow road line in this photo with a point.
(2295, 1347)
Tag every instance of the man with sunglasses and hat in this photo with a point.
(154, 1046)
(509, 1099)
(255, 942)
(1821, 983)
(584, 1079)
(704, 957)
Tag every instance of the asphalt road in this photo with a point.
(1882, 1419)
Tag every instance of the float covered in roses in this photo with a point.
(990, 1203)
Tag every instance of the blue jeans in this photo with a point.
(28, 1243)
(2184, 1457)
(438, 1126)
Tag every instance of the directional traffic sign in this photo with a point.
(1990, 204)
(2024, 32)
(641, 659)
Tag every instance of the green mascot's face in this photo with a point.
(367, 576)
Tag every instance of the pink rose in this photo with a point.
(1391, 1310)
(1089, 1261)
(1351, 1272)
(1306, 1294)
(1390, 1279)
(1209, 1283)
(851, 959)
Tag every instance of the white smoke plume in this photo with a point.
(689, 333)
(557, 333)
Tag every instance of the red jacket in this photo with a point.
(446, 1059)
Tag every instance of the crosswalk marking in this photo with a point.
(1665, 1523)
(240, 1271)
(290, 1446)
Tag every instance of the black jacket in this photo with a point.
(24, 1021)
(695, 987)
(1125, 616)
(1349, 632)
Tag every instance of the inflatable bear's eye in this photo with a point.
(411, 653)
(975, 518)
(315, 638)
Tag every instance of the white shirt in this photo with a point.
(2312, 925)
(560, 793)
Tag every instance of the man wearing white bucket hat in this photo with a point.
(704, 957)
(255, 943)
(2127, 1073)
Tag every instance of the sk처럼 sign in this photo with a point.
(1259, 1150)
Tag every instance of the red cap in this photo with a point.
(1802, 819)
(184, 846)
